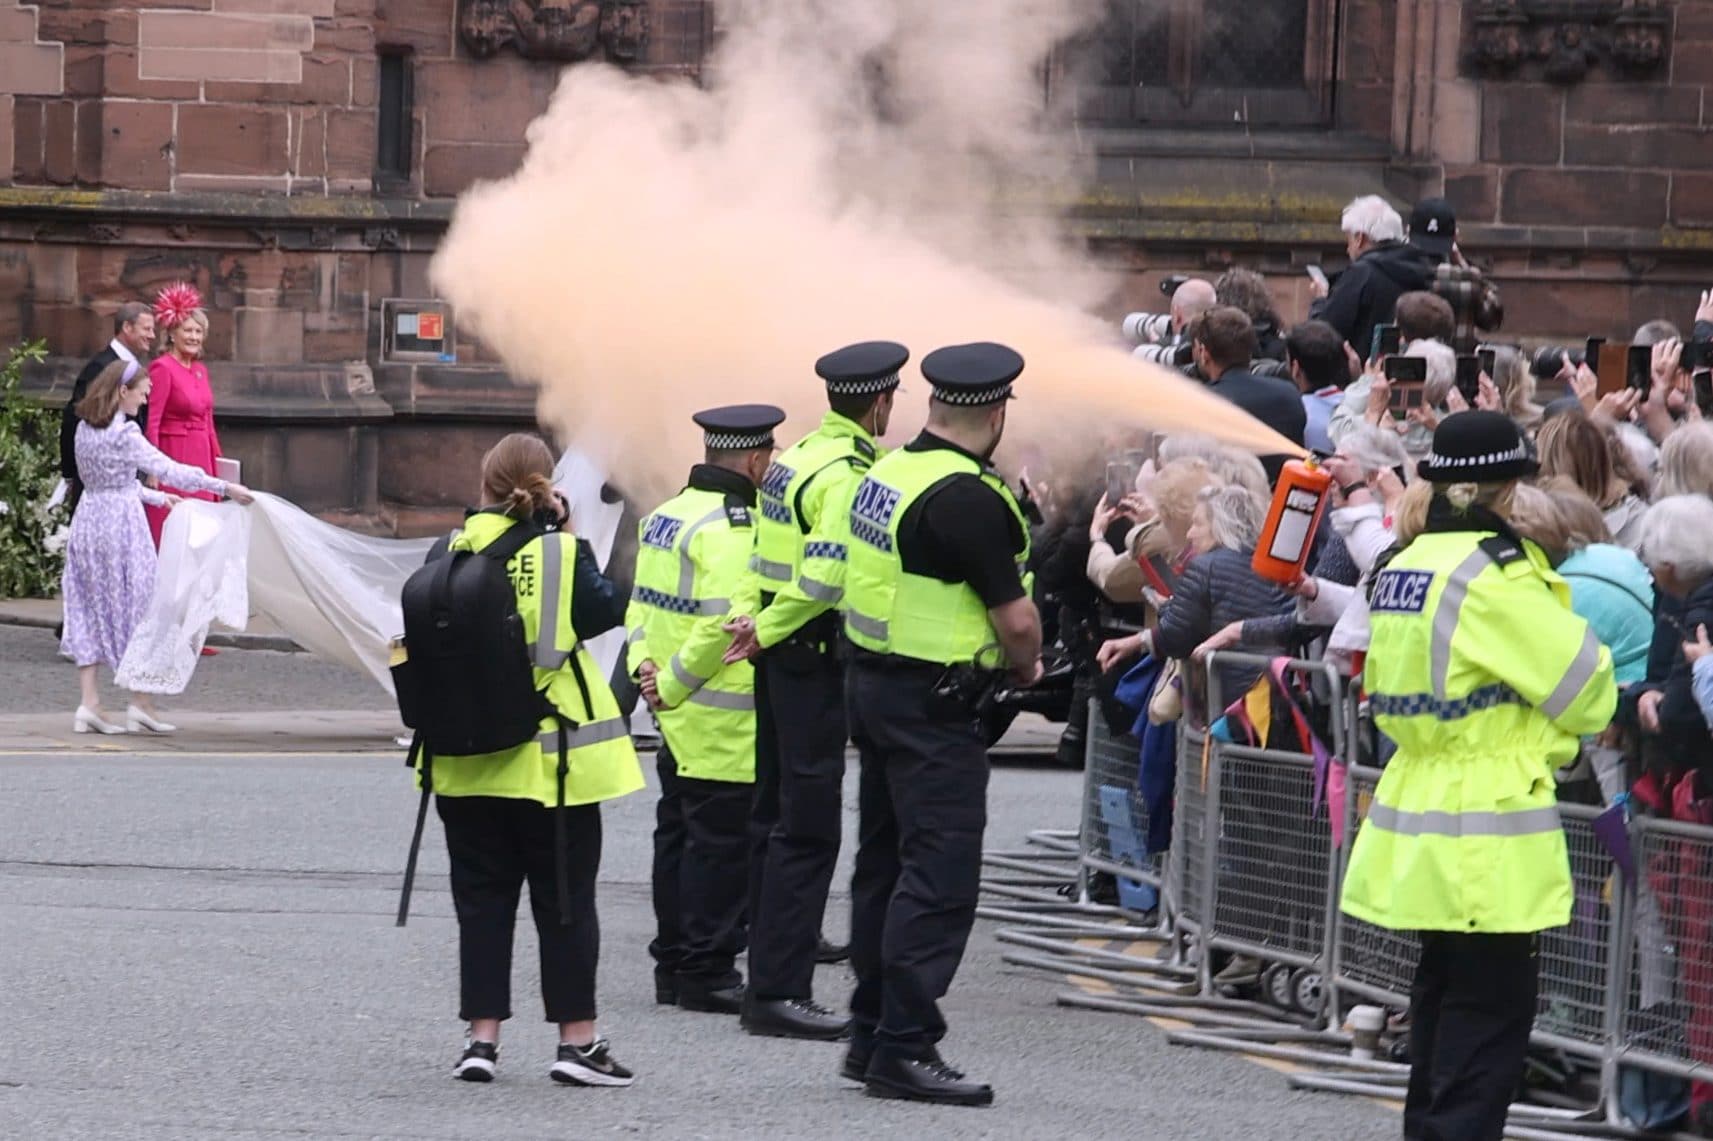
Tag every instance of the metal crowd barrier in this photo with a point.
(1253, 869)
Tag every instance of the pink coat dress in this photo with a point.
(181, 424)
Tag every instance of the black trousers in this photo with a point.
(923, 802)
(794, 824)
(495, 845)
(1471, 1008)
(701, 871)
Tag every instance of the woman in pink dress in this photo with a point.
(181, 409)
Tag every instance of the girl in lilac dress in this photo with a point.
(110, 558)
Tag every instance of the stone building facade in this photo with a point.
(298, 160)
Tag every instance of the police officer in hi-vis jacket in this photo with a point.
(692, 558)
(1486, 680)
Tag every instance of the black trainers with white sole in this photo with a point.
(591, 1065)
(477, 1063)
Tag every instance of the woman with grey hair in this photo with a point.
(1677, 545)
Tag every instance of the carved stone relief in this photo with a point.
(561, 31)
(1562, 40)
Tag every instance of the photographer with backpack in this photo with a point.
(519, 738)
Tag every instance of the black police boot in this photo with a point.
(857, 1056)
(793, 1018)
(697, 995)
(829, 952)
(665, 988)
(927, 1078)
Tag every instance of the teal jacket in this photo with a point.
(1614, 593)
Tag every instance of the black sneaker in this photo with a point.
(591, 1065)
(477, 1063)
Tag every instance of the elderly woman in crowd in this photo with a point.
(1161, 517)
(1677, 545)
(1516, 386)
(181, 423)
(1686, 461)
(1368, 401)
(1585, 453)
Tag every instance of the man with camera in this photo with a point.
(1383, 267)
(937, 609)
(1161, 336)
(1223, 341)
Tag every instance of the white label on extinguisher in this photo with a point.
(1293, 530)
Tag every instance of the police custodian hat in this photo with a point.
(863, 369)
(739, 427)
(972, 375)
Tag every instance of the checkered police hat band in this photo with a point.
(867, 386)
(737, 441)
(1518, 454)
(973, 398)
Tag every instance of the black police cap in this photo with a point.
(972, 375)
(862, 369)
(739, 427)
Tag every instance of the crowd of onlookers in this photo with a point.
(1157, 560)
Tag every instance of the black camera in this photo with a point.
(1548, 360)
(1169, 284)
(1174, 354)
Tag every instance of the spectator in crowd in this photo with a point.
(1229, 465)
(1657, 331)
(1247, 290)
(1160, 520)
(1423, 316)
(1582, 452)
(1224, 341)
(1369, 400)
(1163, 345)
(133, 337)
(1320, 366)
(1609, 586)
(1677, 545)
(1686, 462)
(1473, 299)
(1383, 267)
(1516, 387)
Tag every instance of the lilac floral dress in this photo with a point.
(110, 558)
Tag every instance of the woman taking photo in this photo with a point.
(109, 562)
(500, 809)
(181, 419)
(1485, 679)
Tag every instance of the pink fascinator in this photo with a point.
(176, 302)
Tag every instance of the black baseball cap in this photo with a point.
(1433, 226)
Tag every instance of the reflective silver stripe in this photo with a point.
(715, 699)
(875, 628)
(1580, 672)
(593, 733)
(1446, 613)
(820, 591)
(685, 678)
(1530, 822)
(686, 565)
(636, 636)
(768, 569)
(548, 655)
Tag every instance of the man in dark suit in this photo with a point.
(1224, 344)
(133, 337)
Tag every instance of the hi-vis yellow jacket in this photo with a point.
(1484, 677)
(693, 555)
(603, 763)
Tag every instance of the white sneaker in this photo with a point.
(138, 721)
(88, 720)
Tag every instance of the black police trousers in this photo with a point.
(794, 824)
(494, 845)
(923, 804)
(701, 871)
(1471, 1008)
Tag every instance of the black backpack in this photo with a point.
(466, 681)
(467, 685)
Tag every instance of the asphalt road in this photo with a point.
(203, 946)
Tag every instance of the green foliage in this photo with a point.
(32, 535)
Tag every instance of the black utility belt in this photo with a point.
(896, 663)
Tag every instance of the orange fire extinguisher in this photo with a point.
(1299, 501)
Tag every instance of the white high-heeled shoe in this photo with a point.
(89, 721)
(137, 721)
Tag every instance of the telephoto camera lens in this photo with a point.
(1148, 328)
(1549, 360)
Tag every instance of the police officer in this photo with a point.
(693, 553)
(1485, 679)
(936, 606)
(799, 563)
